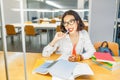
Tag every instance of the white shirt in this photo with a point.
(64, 46)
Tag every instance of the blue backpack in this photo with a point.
(105, 49)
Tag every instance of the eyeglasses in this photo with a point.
(71, 22)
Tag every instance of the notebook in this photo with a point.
(64, 69)
(104, 57)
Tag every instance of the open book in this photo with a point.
(64, 69)
(43, 69)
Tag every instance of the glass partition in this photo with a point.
(55, 8)
(2, 62)
(14, 61)
(12, 58)
(117, 24)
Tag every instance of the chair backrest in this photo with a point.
(40, 21)
(86, 28)
(86, 25)
(53, 21)
(29, 30)
(10, 29)
(112, 45)
(58, 29)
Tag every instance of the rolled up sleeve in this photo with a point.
(48, 50)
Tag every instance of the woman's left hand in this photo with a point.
(74, 58)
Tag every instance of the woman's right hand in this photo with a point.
(58, 36)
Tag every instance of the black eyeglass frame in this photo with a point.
(70, 22)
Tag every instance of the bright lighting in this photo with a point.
(53, 10)
(78, 10)
(53, 4)
(37, 10)
(41, 0)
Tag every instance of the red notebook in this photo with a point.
(104, 57)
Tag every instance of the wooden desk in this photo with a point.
(46, 26)
(37, 25)
(16, 69)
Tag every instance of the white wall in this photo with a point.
(102, 15)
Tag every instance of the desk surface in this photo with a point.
(16, 68)
(44, 25)
(36, 25)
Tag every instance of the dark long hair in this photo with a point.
(77, 18)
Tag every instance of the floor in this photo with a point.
(33, 44)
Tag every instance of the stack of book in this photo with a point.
(106, 60)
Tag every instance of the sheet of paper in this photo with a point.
(64, 56)
(62, 69)
(43, 69)
(56, 78)
(82, 69)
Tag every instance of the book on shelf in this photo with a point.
(112, 65)
(64, 69)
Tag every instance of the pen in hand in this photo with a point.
(59, 35)
(67, 32)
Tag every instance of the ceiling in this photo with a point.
(63, 3)
(66, 3)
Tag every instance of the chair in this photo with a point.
(31, 32)
(86, 28)
(40, 21)
(53, 21)
(86, 25)
(10, 30)
(112, 45)
(58, 29)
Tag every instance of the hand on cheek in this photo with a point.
(59, 35)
